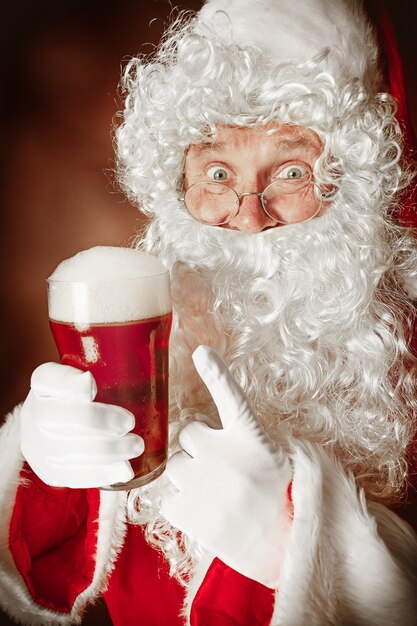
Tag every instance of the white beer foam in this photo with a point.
(108, 285)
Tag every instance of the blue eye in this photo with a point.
(293, 172)
(219, 174)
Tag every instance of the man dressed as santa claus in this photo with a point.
(262, 143)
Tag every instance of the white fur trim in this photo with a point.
(15, 598)
(297, 31)
(346, 562)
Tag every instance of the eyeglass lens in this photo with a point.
(286, 201)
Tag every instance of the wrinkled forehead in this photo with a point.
(239, 138)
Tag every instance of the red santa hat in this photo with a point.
(297, 30)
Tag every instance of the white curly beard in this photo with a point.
(296, 314)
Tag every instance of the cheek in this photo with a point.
(297, 207)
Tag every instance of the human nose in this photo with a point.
(251, 217)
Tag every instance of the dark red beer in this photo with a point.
(129, 361)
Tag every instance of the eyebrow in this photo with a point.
(286, 142)
(298, 142)
(216, 146)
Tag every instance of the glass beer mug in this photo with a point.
(110, 313)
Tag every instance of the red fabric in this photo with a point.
(53, 537)
(140, 590)
(227, 598)
(290, 500)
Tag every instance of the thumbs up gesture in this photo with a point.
(232, 483)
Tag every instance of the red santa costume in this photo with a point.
(313, 320)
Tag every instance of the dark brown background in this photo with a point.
(60, 67)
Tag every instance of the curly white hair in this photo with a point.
(314, 318)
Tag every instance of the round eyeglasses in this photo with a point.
(287, 201)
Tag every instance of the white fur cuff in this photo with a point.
(15, 598)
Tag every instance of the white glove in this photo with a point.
(232, 483)
(71, 441)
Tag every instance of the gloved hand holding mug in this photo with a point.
(71, 441)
